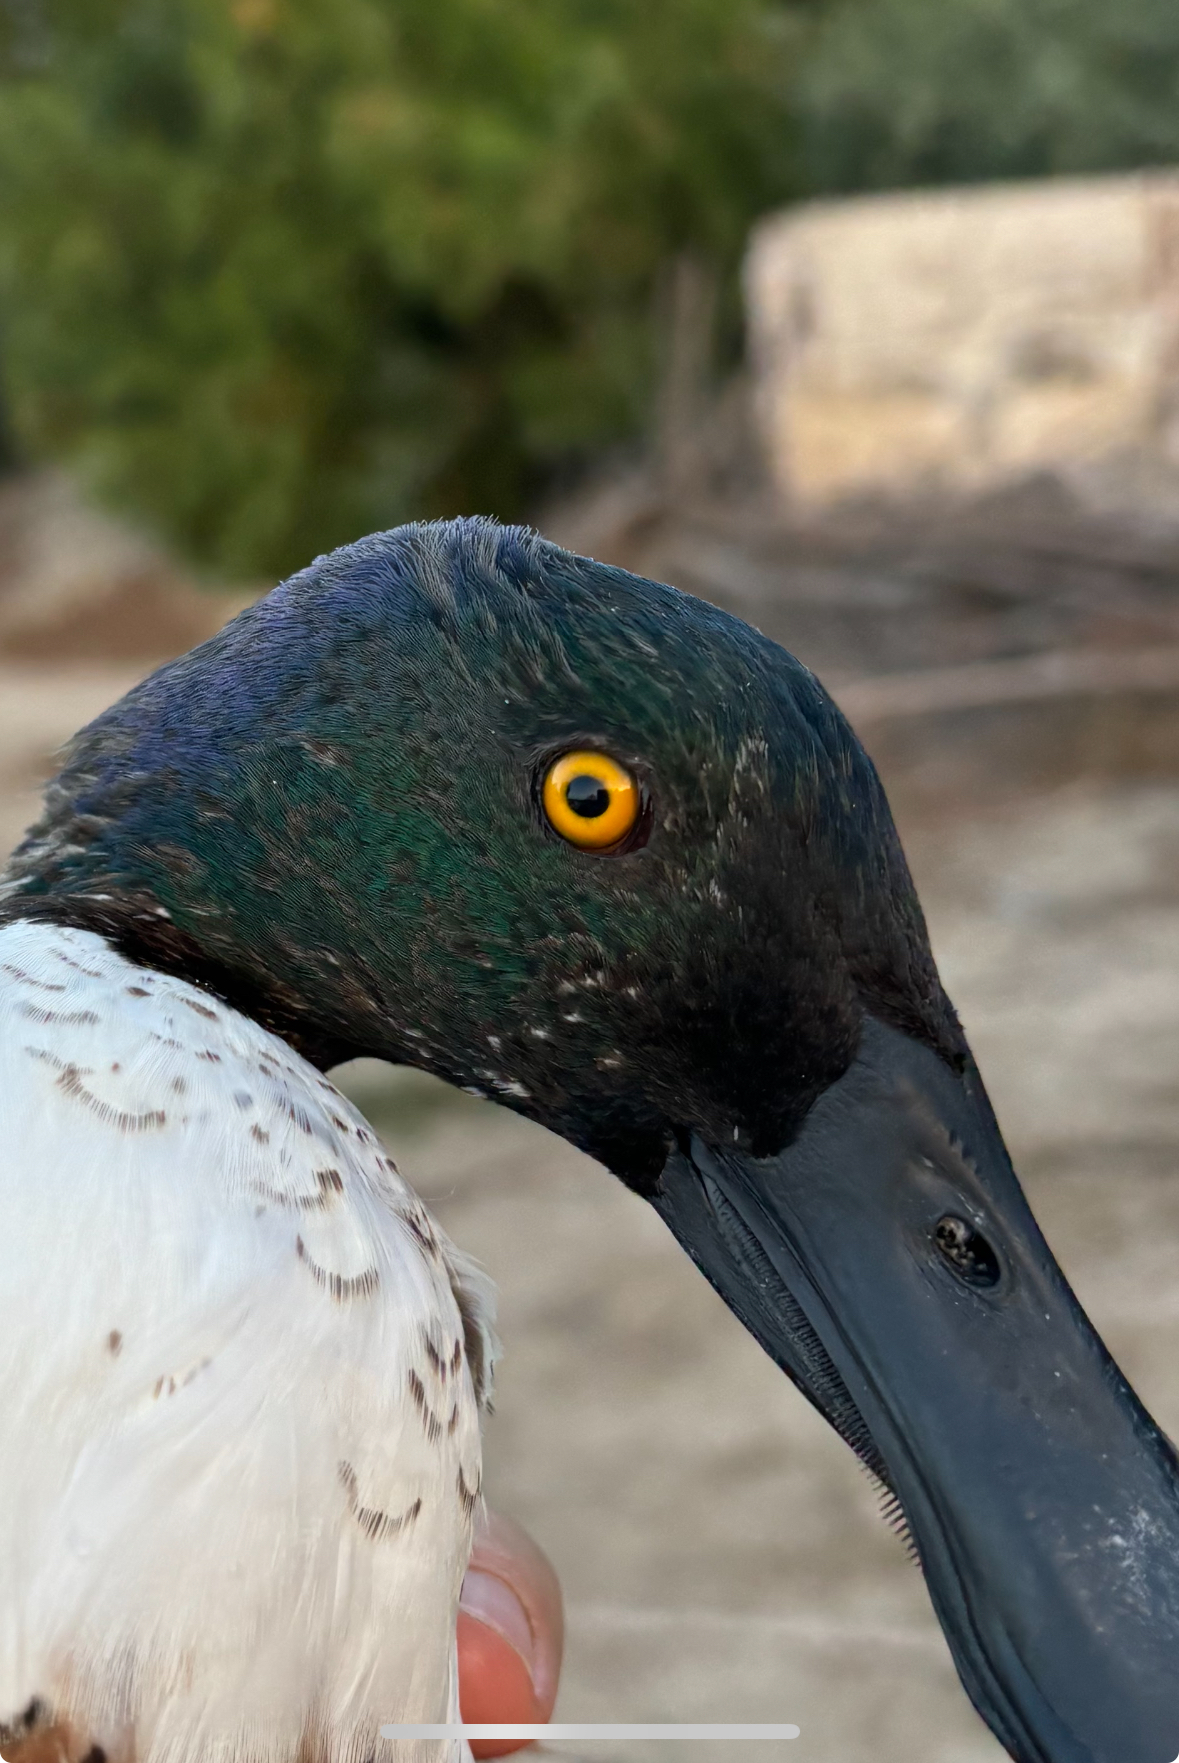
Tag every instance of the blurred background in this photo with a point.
(857, 317)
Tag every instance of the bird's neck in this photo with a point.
(122, 875)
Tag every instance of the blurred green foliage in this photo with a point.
(896, 92)
(277, 272)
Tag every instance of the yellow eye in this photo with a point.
(591, 800)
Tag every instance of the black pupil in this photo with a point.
(968, 1253)
(587, 796)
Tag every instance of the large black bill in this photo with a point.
(889, 1262)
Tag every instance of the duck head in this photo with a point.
(580, 843)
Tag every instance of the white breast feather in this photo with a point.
(240, 1445)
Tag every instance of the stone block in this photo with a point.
(963, 338)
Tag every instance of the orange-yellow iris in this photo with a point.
(591, 800)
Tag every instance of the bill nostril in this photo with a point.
(966, 1251)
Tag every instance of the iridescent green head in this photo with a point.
(339, 803)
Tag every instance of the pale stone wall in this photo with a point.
(965, 337)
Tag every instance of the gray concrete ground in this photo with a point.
(720, 1549)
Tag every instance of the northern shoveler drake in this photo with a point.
(455, 798)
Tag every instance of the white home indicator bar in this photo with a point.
(555, 1730)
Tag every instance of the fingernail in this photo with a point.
(491, 1600)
